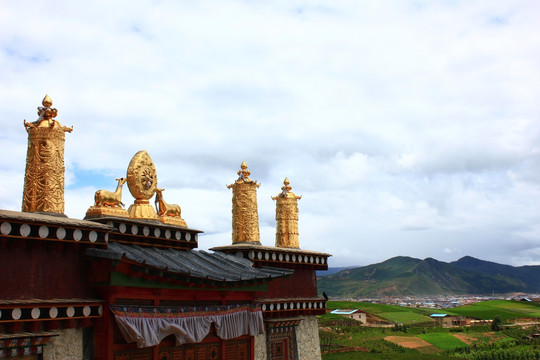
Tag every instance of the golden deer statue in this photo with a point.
(164, 209)
(109, 198)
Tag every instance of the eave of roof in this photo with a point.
(250, 246)
(51, 219)
(194, 263)
(142, 222)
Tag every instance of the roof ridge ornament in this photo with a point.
(45, 170)
(245, 217)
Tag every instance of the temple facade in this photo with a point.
(131, 285)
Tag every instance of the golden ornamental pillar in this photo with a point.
(287, 217)
(44, 175)
(245, 217)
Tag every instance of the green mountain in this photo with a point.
(402, 276)
(529, 274)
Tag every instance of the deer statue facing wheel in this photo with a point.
(164, 209)
(168, 213)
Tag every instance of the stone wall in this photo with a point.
(68, 345)
(307, 338)
(260, 347)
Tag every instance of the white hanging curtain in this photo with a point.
(148, 325)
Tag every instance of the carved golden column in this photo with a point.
(245, 218)
(287, 217)
(44, 176)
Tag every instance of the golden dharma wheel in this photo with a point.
(142, 176)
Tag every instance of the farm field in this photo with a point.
(415, 336)
(392, 313)
(371, 356)
(404, 317)
(443, 341)
(414, 342)
(505, 309)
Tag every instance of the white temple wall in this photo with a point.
(260, 347)
(68, 345)
(307, 339)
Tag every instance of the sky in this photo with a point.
(410, 128)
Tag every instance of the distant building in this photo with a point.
(450, 320)
(355, 314)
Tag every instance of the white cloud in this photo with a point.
(386, 117)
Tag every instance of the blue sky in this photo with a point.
(409, 128)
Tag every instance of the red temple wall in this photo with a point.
(36, 270)
(301, 284)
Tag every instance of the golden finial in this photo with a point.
(46, 117)
(286, 191)
(45, 111)
(47, 102)
(243, 174)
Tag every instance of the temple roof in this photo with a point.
(196, 263)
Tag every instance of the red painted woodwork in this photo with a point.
(109, 343)
(301, 284)
(41, 270)
(175, 296)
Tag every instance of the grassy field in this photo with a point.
(405, 317)
(505, 309)
(442, 341)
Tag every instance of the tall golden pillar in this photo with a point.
(44, 176)
(245, 217)
(287, 217)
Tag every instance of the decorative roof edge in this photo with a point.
(245, 246)
(10, 215)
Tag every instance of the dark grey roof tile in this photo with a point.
(201, 264)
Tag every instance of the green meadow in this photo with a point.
(505, 309)
(443, 341)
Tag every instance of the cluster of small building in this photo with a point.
(443, 302)
(130, 284)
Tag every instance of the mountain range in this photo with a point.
(407, 276)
